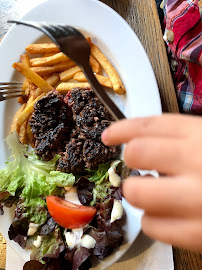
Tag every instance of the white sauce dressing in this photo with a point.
(87, 241)
(32, 228)
(114, 178)
(37, 243)
(117, 211)
(73, 237)
(72, 196)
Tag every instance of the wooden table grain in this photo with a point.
(142, 16)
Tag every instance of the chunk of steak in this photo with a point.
(51, 124)
(72, 159)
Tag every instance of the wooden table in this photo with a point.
(143, 18)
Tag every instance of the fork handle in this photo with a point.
(101, 94)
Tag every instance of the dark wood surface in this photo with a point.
(143, 18)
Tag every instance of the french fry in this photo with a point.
(64, 87)
(23, 133)
(89, 40)
(69, 74)
(25, 84)
(118, 86)
(25, 114)
(48, 54)
(25, 60)
(43, 71)
(94, 64)
(104, 81)
(33, 77)
(21, 99)
(50, 60)
(30, 135)
(42, 48)
(31, 99)
(52, 80)
(15, 125)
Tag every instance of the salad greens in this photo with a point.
(32, 179)
(102, 183)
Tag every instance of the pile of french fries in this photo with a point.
(46, 68)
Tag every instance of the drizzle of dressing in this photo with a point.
(87, 241)
(73, 237)
(37, 243)
(114, 178)
(32, 228)
(117, 211)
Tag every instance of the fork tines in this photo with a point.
(7, 89)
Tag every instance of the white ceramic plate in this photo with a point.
(120, 44)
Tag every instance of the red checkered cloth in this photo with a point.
(183, 35)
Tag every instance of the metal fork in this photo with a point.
(8, 89)
(71, 42)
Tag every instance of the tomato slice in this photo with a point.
(69, 215)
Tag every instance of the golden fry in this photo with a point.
(23, 133)
(52, 80)
(15, 125)
(48, 54)
(118, 86)
(104, 81)
(94, 64)
(43, 71)
(64, 87)
(69, 74)
(31, 99)
(25, 84)
(30, 135)
(50, 60)
(25, 114)
(25, 60)
(42, 48)
(33, 76)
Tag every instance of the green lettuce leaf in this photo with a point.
(100, 178)
(32, 179)
(51, 246)
(101, 174)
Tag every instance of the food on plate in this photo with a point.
(69, 215)
(104, 81)
(67, 189)
(109, 69)
(43, 48)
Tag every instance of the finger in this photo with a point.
(166, 125)
(183, 233)
(167, 156)
(177, 197)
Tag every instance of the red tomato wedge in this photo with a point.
(69, 215)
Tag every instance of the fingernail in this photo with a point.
(104, 136)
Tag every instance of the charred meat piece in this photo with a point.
(78, 98)
(51, 124)
(72, 159)
(93, 112)
(94, 132)
(94, 153)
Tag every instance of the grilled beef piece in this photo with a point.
(78, 98)
(91, 118)
(51, 124)
(72, 159)
(72, 127)
(94, 132)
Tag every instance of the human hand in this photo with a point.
(172, 145)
